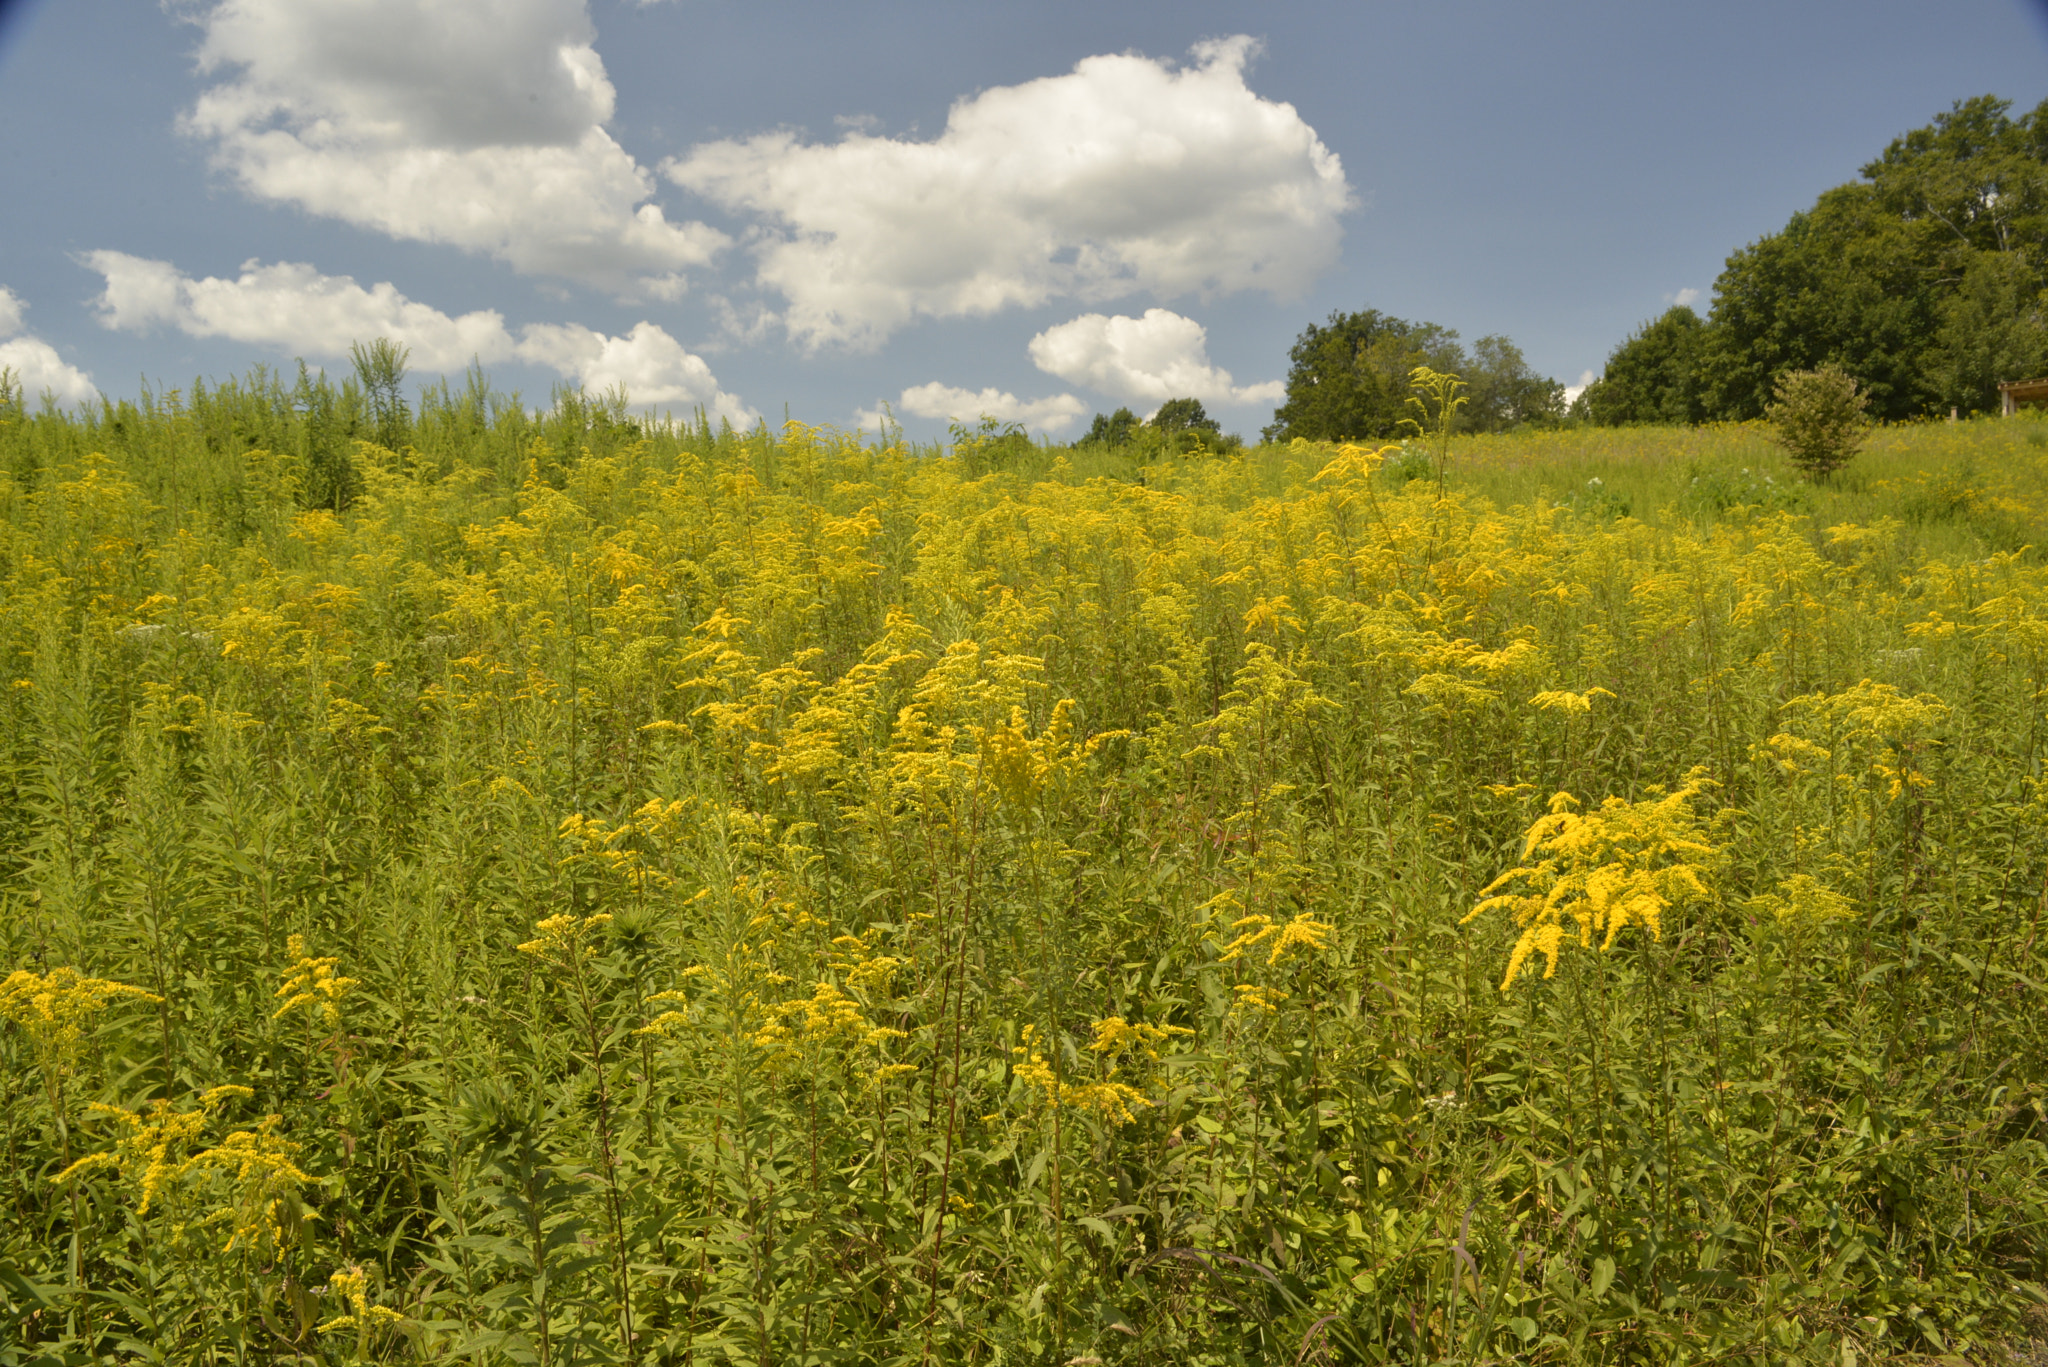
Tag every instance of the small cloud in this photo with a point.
(954, 404)
(37, 367)
(1154, 358)
(878, 420)
(649, 365)
(292, 306)
(1572, 391)
(1685, 298)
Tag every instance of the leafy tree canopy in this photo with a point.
(1184, 415)
(1653, 377)
(1927, 280)
(1113, 429)
(1348, 379)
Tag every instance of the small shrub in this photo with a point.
(1411, 464)
(1818, 419)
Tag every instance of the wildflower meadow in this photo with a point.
(564, 888)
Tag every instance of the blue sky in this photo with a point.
(1037, 211)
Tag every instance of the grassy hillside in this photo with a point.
(571, 892)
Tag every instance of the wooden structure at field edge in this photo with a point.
(2017, 392)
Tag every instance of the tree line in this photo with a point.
(1926, 280)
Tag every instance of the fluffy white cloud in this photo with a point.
(1572, 391)
(478, 123)
(954, 404)
(293, 306)
(37, 367)
(1151, 359)
(649, 364)
(1685, 298)
(1126, 174)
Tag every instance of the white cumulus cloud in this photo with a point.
(477, 123)
(1572, 391)
(294, 307)
(37, 367)
(954, 404)
(1126, 174)
(1685, 298)
(652, 367)
(1151, 359)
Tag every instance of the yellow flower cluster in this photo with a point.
(251, 1173)
(1303, 932)
(55, 1008)
(1602, 871)
(353, 1287)
(1115, 1041)
(311, 982)
(563, 941)
(827, 1016)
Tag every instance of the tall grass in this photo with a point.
(575, 890)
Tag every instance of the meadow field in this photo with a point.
(559, 889)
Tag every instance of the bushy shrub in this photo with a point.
(1818, 419)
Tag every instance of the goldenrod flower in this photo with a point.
(311, 982)
(1620, 865)
(1303, 932)
(353, 1286)
(562, 938)
(1571, 704)
(263, 1181)
(56, 1007)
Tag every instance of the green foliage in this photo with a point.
(1818, 418)
(1348, 380)
(990, 445)
(1184, 415)
(686, 896)
(1114, 429)
(1927, 279)
(1654, 376)
(380, 370)
(1505, 392)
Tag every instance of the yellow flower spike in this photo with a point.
(1621, 864)
(311, 982)
(1571, 704)
(1253, 999)
(1304, 932)
(1804, 898)
(263, 1181)
(562, 938)
(55, 1008)
(353, 1286)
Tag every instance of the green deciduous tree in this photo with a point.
(1113, 429)
(1925, 279)
(1347, 379)
(1184, 415)
(1505, 391)
(1654, 376)
(1818, 417)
